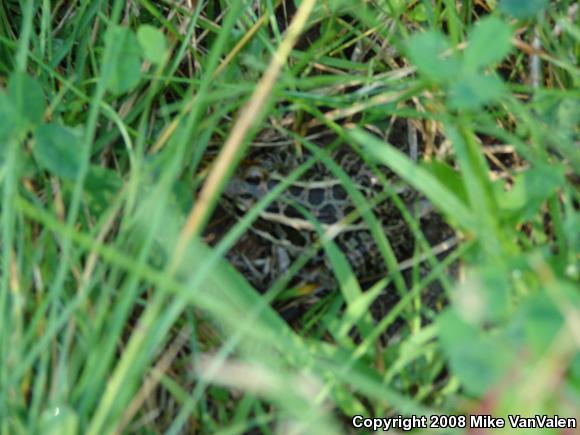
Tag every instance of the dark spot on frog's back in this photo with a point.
(315, 196)
(273, 208)
(327, 214)
(348, 210)
(292, 212)
(296, 191)
(338, 192)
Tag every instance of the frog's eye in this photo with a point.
(254, 176)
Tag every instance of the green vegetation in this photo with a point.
(120, 125)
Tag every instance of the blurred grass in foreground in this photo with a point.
(109, 112)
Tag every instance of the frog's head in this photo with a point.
(247, 186)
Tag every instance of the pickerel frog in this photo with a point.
(317, 202)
